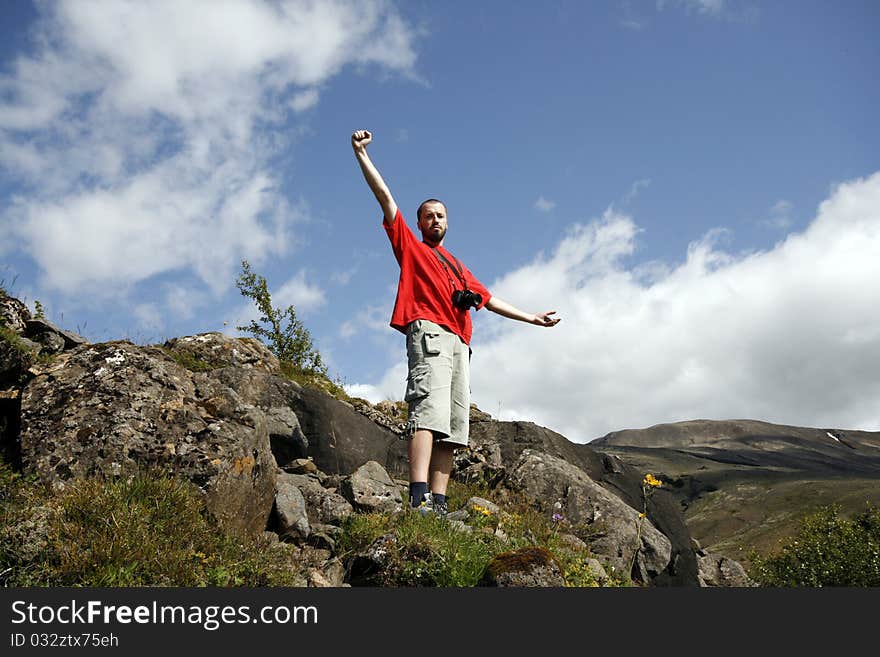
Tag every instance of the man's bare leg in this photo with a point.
(441, 467)
(420, 449)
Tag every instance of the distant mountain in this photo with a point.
(745, 484)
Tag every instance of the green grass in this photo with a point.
(151, 530)
(428, 551)
(188, 360)
(313, 379)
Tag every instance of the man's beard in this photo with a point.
(433, 236)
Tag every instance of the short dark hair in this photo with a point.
(424, 203)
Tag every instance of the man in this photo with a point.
(434, 295)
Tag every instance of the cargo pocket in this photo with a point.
(418, 384)
(433, 344)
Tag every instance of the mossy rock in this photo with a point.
(525, 567)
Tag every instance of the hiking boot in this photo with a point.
(430, 505)
(427, 505)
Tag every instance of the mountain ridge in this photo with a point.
(745, 484)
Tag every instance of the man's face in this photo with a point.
(432, 223)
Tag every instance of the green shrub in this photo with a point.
(286, 337)
(828, 550)
(285, 334)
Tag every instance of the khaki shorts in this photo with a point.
(438, 385)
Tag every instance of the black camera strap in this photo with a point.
(444, 261)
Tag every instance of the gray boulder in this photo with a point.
(324, 505)
(341, 439)
(525, 567)
(303, 422)
(371, 489)
(718, 570)
(273, 395)
(53, 338)
(290, 509)
(609, 526)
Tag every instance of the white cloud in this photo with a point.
(780, 215)
(788, 335)
(149, 316)
(544, 205)
(391, 386)
(343, 277)
(135, 132)
(305, 100)
(371, 318)
(183, 302)
(300, 294)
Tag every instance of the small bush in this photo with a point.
(285, 334)
(828, 550)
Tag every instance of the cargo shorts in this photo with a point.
(438, 384)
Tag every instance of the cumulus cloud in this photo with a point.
(136, 132)
(788, 335)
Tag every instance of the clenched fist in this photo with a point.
(360, 139)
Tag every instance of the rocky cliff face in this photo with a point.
(271, 455)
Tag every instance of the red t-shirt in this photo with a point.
(424, 290)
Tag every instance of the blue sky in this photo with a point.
(693, 185)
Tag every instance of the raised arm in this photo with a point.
(505, 309)
(359, 141)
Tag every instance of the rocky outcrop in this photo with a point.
(215, 350)
(496, 448)
(270, 454)
(341, 439)
(611, 528)
(112, 409)
(24, 341)
(14, 315)
(28, 337)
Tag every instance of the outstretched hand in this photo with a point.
(544, 319)
(360, 139)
